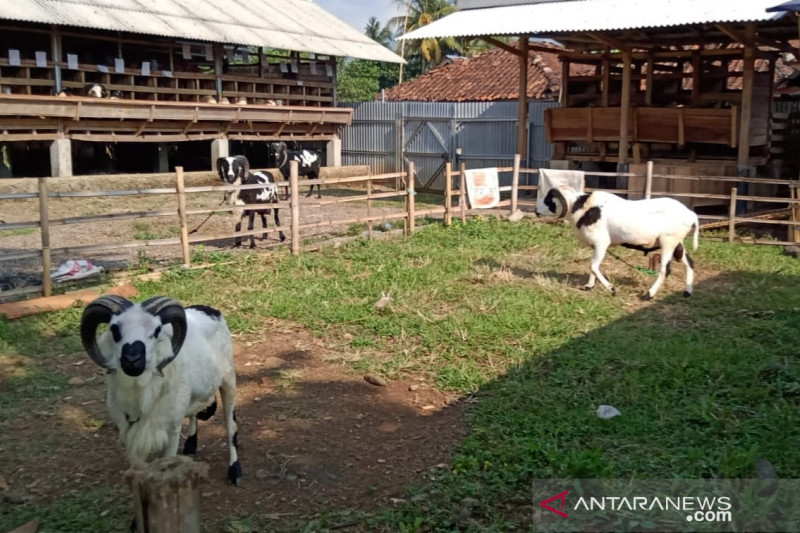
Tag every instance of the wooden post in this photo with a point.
(623, 112)
(648, 92)
(515, 184)
(448, 193)
(369, 207)
(795, 195)
(44, 224)
(462, 192)
(522, 115)
(411, 194)
(166, 495)
(294, 203)
(748, 69)
(732, 216)
(648, 181)
(179, 186)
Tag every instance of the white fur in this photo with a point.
(661, 223)
(149, 409)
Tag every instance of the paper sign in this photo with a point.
(329, 71)
(482, 188)
(72, 61)
(187, 51)
(550, 178)
(284, 67)
(314, 67)
(41, 59)
(209, 52)
(102, 68)
(119, 65)
(166, 73)
(146, 68)
(13, 57)
(295, 68)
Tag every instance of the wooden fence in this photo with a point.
(401, 185)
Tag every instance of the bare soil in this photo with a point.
(313, 434)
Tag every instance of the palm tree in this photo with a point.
(422, 13)
(382, 35)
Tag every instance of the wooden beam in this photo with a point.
(605, 84)
(748, 67)
(696, 71)
(624, 108)
(504, 46)
(522, 120)
(747, 39)
(648, 91)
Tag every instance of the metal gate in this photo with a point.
(428, 143)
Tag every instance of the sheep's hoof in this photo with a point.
(613, 291)
(283, 237)
(235, 474)
(686, 294)
(587, 288)
(646, 297)
(252, 246)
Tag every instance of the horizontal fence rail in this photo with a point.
(401, 186)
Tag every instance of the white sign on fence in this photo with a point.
(550, 177)
(482, 188)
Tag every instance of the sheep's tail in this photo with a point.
(695, 244)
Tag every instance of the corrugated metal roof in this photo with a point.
(793, 5)
(299, 25)
(593, 15)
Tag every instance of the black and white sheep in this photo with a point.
(95, 90)
(164, 363)
(235, 170)
(602, 219)
(308, 162)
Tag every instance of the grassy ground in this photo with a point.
(705, 385)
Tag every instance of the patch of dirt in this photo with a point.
(313, 435)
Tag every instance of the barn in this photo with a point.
(179, 82)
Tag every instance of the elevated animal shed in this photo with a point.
(684, 83)
(170, 72)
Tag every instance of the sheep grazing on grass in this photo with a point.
(235, 170)
(164, 363)
(602, 219)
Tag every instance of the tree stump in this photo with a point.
(166, 495)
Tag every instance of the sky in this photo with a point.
(357, 12)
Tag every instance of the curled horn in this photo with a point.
(564, 208)
(169, 311)
(245, 169)
(99, 312)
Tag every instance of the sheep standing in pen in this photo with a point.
(602, 219)
(164, 363)
(236, 171)
(308, 162)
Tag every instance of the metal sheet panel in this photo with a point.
(299, 25)
(592, 15)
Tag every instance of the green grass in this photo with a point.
(13, 232)
(705, 385)
(95, 510)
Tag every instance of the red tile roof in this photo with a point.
(492, 75)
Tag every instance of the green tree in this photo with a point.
(358, 80)
(421, 13)
(381, 34)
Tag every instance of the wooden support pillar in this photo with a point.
(166, 495)
(162, 164)
(648, 91)
(55, 41)
(218, 51)
(44, 225)
(743, 163)
(61, 158)
(522, 119)
(219, 148)
(622, 162)
(333, 153)
(294, 203)
(6, 169)
(606, 83)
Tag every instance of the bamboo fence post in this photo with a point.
(648, 181)
(515, 184)
(369, 207)
(180, 187)
(462, 187)
(411, 194)
(794, 194)
(448, 193)
(732, 216)
(166, 495)
(44, 224)
(294, 191)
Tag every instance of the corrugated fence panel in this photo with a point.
(485, 132)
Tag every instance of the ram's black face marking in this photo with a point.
(157, 332)
(549, 202)
(578, 205)
(591, 216)
(133, 359)
(115, 332)
(210, 311)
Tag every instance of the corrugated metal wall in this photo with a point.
(429, 134)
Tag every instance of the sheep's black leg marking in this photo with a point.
(690, 260)
(190, 446)
(263, 223)
(278, 225)
(251, 218)
(208, 412)
(591, 216)
(238, 241)
(669, 269)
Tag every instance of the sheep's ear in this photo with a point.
(100, 311)
(171, 312)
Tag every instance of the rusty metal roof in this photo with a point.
(299, 25)
(553, 18)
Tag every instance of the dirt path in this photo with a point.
(314, 436)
